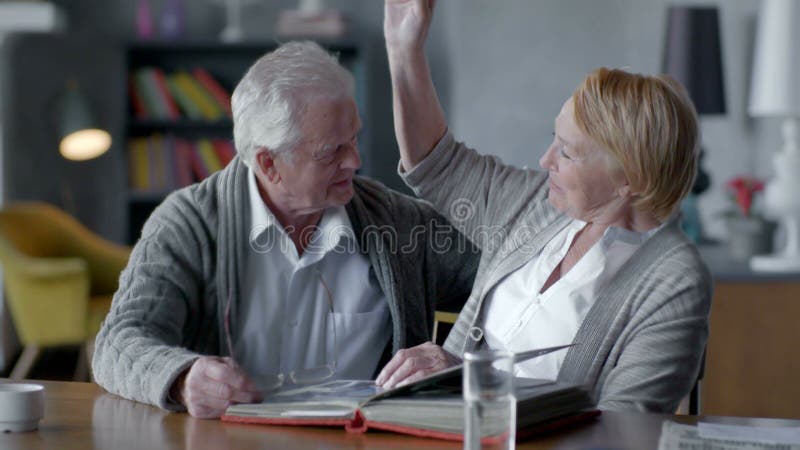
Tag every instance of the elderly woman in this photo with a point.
(587, 251)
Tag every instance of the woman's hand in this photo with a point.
(211, 385)
(414, 363)
(406, 23)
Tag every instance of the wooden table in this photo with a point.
(84, 416)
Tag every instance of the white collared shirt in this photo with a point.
(517, 317)
(285, 318)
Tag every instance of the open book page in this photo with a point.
(450, 379)
(341, 398)
(444, 413)
(352, 391)
(336, 398)
(442, 410)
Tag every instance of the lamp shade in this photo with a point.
(80, 138)
(692, 55)
(776, 64)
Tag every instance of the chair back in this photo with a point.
(41, 230)
(47, 298)
(52, 265)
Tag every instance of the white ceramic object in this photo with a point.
(21, 406)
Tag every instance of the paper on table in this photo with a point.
(768, 435)
(675, 436)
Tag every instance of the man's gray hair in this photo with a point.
(269, 103)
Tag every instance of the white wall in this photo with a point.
(512, 63)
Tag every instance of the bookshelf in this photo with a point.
(226, 64)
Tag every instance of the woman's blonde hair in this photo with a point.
(648, 124)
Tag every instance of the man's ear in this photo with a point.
(265, 159)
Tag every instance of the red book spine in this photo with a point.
(163, 90)
(136, 100)
(358, 424)
(199, 168)
(288, 421)
(221, 96)
(183, 162)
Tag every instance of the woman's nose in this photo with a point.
(546, 161)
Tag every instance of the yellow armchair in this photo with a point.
(59, 280)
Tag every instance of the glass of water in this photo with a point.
(490, 409)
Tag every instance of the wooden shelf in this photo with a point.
(344, 45)
(139, 126)
(147, 197)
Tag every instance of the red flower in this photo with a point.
(743, 188)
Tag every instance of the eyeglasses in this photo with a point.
(309, 375)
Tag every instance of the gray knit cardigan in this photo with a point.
(169, 308)
(641, 343)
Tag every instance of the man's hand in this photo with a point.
(414, 363)
(211, 385)
(406, 23)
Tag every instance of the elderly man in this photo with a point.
(282, 268)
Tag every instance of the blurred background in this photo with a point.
(154, 76)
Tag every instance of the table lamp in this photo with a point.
(775, 93)
(80, 137)
(692, 56)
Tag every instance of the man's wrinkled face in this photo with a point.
(318, 173)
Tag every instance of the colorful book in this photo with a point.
(198, 166)
(170, 168)
(219, 93)
(208, 107)
(187, 105)
(157, 169)
(139, 109)
(164, 94)
(138, 164)
(209, 157)
(145, 85)
(183, 162)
